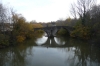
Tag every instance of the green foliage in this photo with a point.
(96, 29)
(36, 25)
(4, 40)
(81, 32)
(38, 33)
(63, 32)
(20, 39)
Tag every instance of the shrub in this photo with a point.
(63, 32)
(81, 32)
(20, 38)
(4, 40)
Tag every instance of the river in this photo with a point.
(56, 51)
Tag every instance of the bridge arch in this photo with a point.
(51, 31)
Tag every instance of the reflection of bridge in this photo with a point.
(51, 31)
(50, 42)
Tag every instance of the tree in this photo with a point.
(81, 9)
(73, 11)
(95, 13)
(95, 20)
(2, 16)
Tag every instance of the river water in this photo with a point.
(56, 51)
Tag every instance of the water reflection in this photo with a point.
(57, 51)
(51, 42)
(15, 56)
(82, 53)
(42, 40)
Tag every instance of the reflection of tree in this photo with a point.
(78, 53)
(84, 54)
(14, 56)
(87, 54)
(81, 53)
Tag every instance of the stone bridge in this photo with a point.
(52, 30)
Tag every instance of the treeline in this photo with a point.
(86, 19)
(14, 28)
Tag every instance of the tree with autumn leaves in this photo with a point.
(22, 29)
(14, 27)
(87, 13)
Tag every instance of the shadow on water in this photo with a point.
(56, 51)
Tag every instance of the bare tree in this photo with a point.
(73, 11)
(82, 7)
(95, 17)
(2, 16)
(95, 12)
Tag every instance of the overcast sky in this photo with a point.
(42, 10)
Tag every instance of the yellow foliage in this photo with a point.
(20, 38)
(22, 29)
(37, 25)
(82, 32)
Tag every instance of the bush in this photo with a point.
(4, 40)
(81, 32)
(63, 32)
(20, 38)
